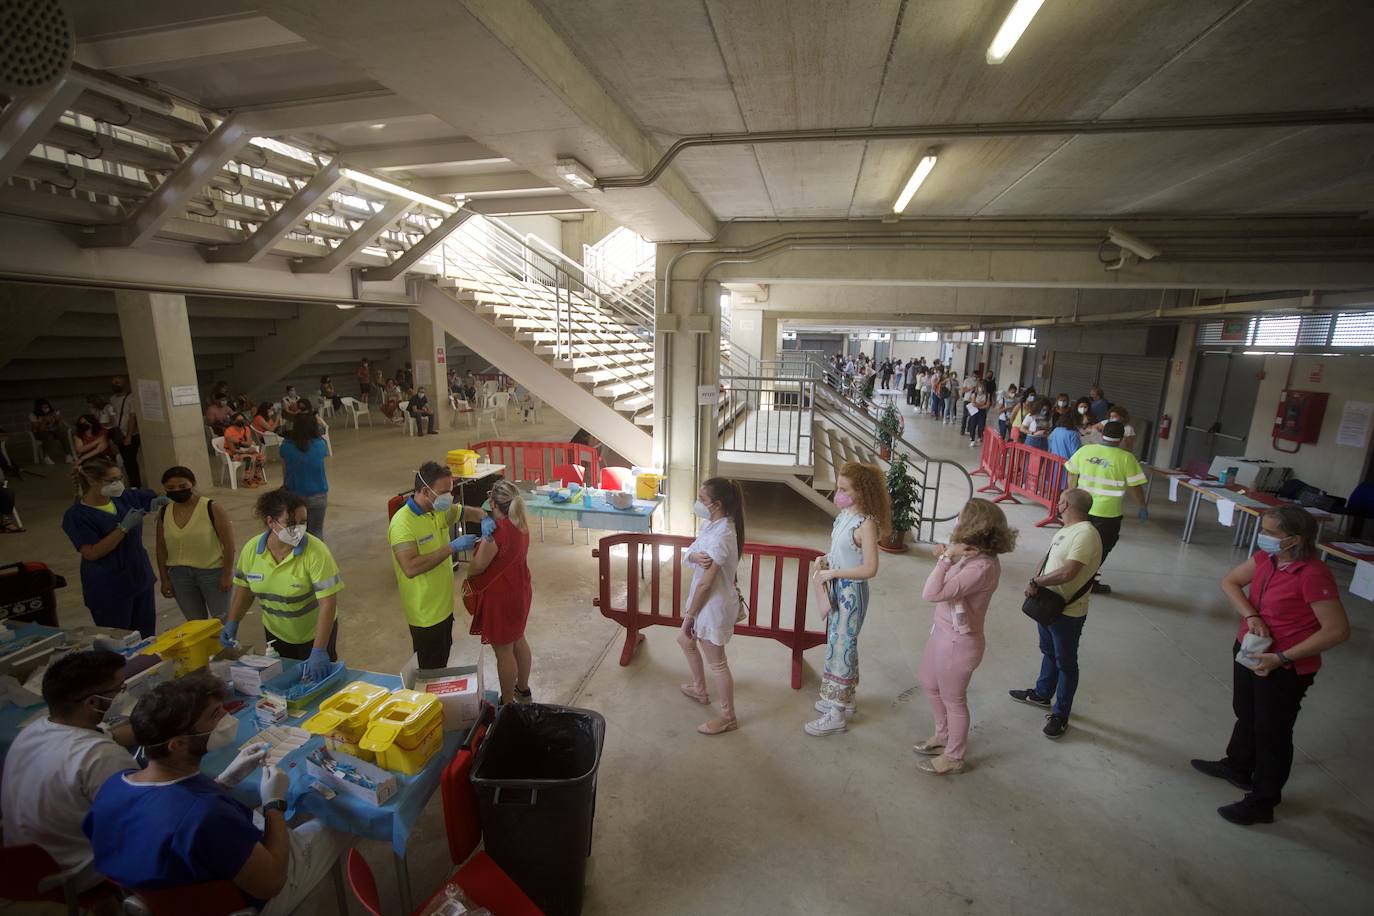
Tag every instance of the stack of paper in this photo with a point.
(250, 672)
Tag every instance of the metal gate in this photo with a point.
(1220, 407)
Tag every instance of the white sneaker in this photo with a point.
(832, 723)
(47, 460)
(823, 706)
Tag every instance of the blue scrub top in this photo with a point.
(124, 571)
(1064, 442)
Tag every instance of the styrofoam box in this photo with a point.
(458, 687)
(386, 782)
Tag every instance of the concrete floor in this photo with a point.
(769, 820)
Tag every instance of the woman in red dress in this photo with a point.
(500, 578)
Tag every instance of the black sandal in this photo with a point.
(9, 526)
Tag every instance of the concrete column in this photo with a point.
(768, 336)
(426, 347)
(745, 328)
(157, 350)
(1165, 452)
(686, 356)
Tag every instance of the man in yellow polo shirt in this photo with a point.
(1107, 471)
(422, 556)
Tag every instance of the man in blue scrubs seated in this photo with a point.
(170, 825)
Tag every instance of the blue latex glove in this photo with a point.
(316, 667)
(228, 637)
(131, 520)
(488, 526)
(463, 542)
(1143, 515)
(160, 501)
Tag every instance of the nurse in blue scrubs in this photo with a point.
(105, 525)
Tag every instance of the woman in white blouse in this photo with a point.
(713, 604)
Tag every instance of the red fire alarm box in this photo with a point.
(1300, 416)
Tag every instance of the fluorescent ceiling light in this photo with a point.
(575, 174)
(1012, 28)
(396, 190)
(917, 176)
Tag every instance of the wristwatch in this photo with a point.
(1284, 659)
(275, 804)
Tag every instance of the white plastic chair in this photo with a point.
(356, 409)
(324, 434)
(402, 410)
(460, 408)
(494, 403)
(230, 465)
(326, 406)
(271, 440)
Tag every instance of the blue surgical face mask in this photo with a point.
(1269, 543)
(442, 501)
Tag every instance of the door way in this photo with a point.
(1220, 407)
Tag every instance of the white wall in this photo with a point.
(546, 227)
(1335, 468)
(914, 349)
(1008, 371)
(746, 330)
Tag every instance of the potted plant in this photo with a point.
(901, 489)
(889, 429)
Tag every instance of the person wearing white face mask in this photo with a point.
(294, 577)
(865, 515)
(170, 825)
(58, 762)
(422, 558)
(1293, 603)
(105, 525)
(713, 605)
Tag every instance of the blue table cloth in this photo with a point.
(600, 514)
(11, 717)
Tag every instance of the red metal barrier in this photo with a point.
(1036, 475)
(992, 462)
(536, 460)
(667, 610)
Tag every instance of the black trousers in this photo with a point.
(300, 651)
(128, 450)
(1261, 744)
(1109, 529)
(432, 643)
(420, 420)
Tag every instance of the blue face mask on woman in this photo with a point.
(1269, 543)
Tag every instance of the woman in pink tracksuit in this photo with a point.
(961, 585)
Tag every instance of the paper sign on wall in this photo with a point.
(150, 401)
(1356, 419)
(707, 395)
(1316, 374)
(423, 376)
(185, 396)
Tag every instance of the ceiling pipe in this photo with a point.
(996, 129)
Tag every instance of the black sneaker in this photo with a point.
(1220, 770)
(523, 696)
(1055, 726)
(1029, 697)
(1101, 588)
(1247, 813)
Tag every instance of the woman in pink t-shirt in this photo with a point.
(961, 585)
(1293, 602)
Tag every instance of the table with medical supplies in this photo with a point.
(1237, 508)
(638, 516)
(391, 821)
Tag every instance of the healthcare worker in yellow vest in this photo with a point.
(422, 557)
(294, 577)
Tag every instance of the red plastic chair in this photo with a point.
(569, 473)
(614, 478)
(28, 874)
(212, 898)
(479, 879)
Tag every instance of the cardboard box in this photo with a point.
(1251, 473)
(382, 784)
(250, 672)
(458, 687)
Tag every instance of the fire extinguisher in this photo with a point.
(1164, 423)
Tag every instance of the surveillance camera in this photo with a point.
(1139, 247)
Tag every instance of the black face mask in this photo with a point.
(179, 496)
(117, 389)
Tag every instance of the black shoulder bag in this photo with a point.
(1045, 606)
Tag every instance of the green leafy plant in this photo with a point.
(901, 489)
(889, 426)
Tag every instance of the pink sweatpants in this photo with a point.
(947, 665)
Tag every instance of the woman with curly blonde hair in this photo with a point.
(865, 514)
(961, 585)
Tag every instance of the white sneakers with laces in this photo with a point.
(831, 723)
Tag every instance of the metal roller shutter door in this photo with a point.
(1073, 373)
(1137, 383)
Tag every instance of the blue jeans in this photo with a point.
(197, 592)
(1059, 662)
(316, 505)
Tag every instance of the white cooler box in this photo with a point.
(1251, 473)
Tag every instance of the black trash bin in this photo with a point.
(28, 593)
(535, 779)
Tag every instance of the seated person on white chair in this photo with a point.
(170, 825)
(58, 763)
